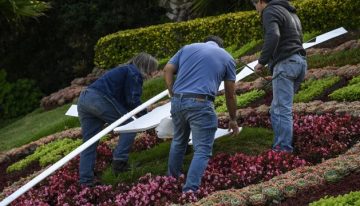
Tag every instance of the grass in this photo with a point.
(251, 141)
(40, 123)
(35, 125)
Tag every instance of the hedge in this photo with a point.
(235, 28)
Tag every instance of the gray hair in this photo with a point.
(145, 63)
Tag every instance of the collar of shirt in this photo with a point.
(212, 43)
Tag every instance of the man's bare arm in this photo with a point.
(169, 72)
(231, 105)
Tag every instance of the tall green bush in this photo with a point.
(235, 28)
(17, 98)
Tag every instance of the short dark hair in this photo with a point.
(256, 1)
(215, 39)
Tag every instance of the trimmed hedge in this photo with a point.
(235, 28)
(165, 39)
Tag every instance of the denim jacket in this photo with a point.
(124, 84)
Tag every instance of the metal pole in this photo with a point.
(81, 148)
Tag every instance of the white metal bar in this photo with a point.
(78, 150)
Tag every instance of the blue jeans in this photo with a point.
(199, 117)
(287, 77)
(95, 109)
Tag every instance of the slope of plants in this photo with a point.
(243, 169)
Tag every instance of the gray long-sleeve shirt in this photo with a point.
(282, 33)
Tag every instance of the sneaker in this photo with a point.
(91, 184)
(119, 166)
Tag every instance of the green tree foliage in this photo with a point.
(14, 10)
(57, 47)
(201, 8)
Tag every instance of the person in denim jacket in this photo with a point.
(200, 68)
(111, 96)
(285, 56)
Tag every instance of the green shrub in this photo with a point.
(348, 93)
(5, 88)
(235, 28)
(313, 88)
(353, 198)
(46, 154)
(242, 100)
(165, 39)
(17, 98)
(310, 35)
(153, 87)
(246, 48)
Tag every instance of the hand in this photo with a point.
(259, 67)
(233, 127)
(170, 94)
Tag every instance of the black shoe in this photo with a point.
(91, 184)
(119, 166)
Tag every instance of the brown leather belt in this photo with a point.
(198, 96)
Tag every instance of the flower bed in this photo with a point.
(224, 171)
(292, 183)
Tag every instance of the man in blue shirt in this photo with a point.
(113, 95)
(200, 68)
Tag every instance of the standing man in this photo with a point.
(113, 95)
(200, 68)
(285, 56)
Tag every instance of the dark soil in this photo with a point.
(351, 35)
(6, 179)
(346, 185)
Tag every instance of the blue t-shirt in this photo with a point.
(124, 83)
(201, 67)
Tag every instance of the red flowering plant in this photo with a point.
(324, 136)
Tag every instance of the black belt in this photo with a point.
(198, 96)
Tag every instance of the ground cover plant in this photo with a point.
(314, 87)
(348, 93)
(47, 154)
(353, 198)
(242, 100)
